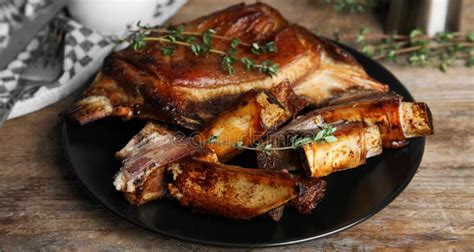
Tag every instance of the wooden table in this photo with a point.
(42, 205)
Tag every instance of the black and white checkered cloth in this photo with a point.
(84, 52)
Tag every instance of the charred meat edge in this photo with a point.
(354, 144)
(230, 191)
(250, 118)
(323, 71)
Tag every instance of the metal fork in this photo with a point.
(44, 67)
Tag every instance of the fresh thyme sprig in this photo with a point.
(174, 36)
(269, 47)
(324, 134)
(145, 29)
(442, 50)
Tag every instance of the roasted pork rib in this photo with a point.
(365, 125)
(230, 191)
(250, 118)
(243, 109)
(247, 120)
(144, 159)
(190, 90)
(397, 120)
(355, 142)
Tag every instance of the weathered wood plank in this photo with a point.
(42, 205)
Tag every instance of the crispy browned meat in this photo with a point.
(155, 146)
(393, 119)
(150, 182)
(396, 119)
(144, 159)
(356, 141)
(354, 144)
(313, 193)
(187, 90)
(282, 160)
(251, 117)
(278, 160)
(230, 191)
(153, 187)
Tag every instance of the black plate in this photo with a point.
(352, 195)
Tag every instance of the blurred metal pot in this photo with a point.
(431, 16)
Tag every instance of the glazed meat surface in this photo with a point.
(189, 90)
(250, 118)
(230, 191)
(397, 120)
(147, 154)
(355, 142)
(202, 115)
(144, 159)
(313, 190)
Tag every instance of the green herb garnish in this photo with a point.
(324, 134)
(442, 49)
(174, 36)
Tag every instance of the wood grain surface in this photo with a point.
(42, 205)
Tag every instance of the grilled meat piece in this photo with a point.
(189, 90)
(152, 187)
(152, 148)
(312, 193)
(251, 117)
(356, 141)
(144, 159)
(230, 191)
(278, 160)
(354, 144)
(396, 119)
(282, 160)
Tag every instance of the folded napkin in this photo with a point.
(84, 52)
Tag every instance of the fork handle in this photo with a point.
(7, 107)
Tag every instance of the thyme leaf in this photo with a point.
(324, 134)
(443, 49)
(174, 36)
